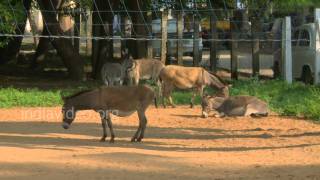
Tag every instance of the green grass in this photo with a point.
(285, 99)
(11, 97)
(292, 100)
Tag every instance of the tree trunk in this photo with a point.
(196, 48)
(234, 46)
(180, 37)
(12, 49)
(42, 49)
(70, 57)
(65, 22)
(102, 49)
(213, 43)
(255, 29)
(77, 28)
(138, 48)
(149, 48)
(164, 36)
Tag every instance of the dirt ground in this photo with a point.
(178, 145)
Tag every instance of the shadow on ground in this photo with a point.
(50, 134)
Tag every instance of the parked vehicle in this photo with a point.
(304, 53)
(172, 36)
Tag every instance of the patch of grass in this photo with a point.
(294, 99)
(11, 97)
(34, 97)
(285, 99)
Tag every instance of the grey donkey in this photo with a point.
(113, 74)
(233, 106)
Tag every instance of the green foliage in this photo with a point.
(11, 13)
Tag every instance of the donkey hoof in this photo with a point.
(139, 139)
(133, 140)
(103, 139)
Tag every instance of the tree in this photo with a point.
(65, 50)
(102, 49)
(14, 12)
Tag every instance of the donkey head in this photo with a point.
(128, 61)
(217, 83)
(68, 114)
(209, 103)
(206, 105)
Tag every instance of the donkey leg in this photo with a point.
(136, 80)
(195, 91)
(111, 128)
(143, 119)
(103, 123)
(135, 136)
(158, 95)
(164, 95)
(192, 99)
(171, 102)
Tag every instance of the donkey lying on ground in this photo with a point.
(119, 100)
(186, 78)
(145, 69)
(234, 106)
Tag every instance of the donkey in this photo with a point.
(233, 106)
(195, 78)
(121, 101)
(144, 69)
(114, 73)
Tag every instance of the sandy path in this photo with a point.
(178, 145)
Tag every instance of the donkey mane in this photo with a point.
(77, 94)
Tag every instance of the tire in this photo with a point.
(306, 76)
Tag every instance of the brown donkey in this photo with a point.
(195, 78)
(119, 100)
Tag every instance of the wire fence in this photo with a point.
(146, 29)
(209, 33)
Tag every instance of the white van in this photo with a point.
(172, 36)
(304, 53)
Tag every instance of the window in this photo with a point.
(304, 38)
(295, 38)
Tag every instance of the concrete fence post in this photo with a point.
(317, 47)
(287, 50)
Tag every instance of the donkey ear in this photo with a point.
(62, 97)
(205, 95)
(124, 53)
(133, 64)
